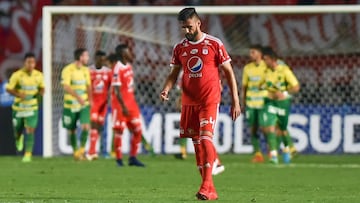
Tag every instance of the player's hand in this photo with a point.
(22, 96)
(164, 95)
(235, 111)
(81, 101)
(279, 95)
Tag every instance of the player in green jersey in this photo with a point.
(27, 85)
(75, 78)
(280, 82)
(252, 97)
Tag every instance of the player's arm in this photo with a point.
(230, 77)
(41, 86)
(243, 89)
(88, 87)
(170, 82)
(10, 87)
(66, 83)
(69, 90)
(120, 98)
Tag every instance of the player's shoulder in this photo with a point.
(213, 39)
(37, 72)
(68, 67)
(182, 43)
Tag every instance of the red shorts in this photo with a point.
(120, 122)
(196, 118)
(98, 113)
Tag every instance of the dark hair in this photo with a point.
(269, 52)
(78, 52)
(257, 47)
(112, 58)
(29, 55)
(187, 13)
(100, 53)
(120, 48)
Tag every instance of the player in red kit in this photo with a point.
(100, 76)
(125, 110)
(201, 57)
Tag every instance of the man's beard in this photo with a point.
(191, 37)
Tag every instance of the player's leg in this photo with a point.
(69, 119)
(30, 125)
(269, 119)
(284, 110)
(207, 121)
(118, 129)
(218, 167)
(18, 126)
(147, 146)
(183, 153)
(134, 125)
(94, 132)
(84, 116)
(252, 120)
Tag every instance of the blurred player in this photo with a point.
(280, 82)
(75, 78)
(125, 110)
(112, 60)
(26, 84)
(253, 97)
(200, 56)
(100, 76)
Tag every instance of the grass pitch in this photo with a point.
(310, 179)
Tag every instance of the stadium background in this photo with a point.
(322, 49)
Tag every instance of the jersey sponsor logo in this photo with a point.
(194, 51)
(195, 64)
(184, 54)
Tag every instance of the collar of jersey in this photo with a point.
(200, 40)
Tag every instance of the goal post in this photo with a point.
(289, 29)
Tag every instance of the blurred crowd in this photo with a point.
(204, 2)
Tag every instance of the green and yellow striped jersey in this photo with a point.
(28, 84)
(280, 79)
(78, 78)
(252, 77)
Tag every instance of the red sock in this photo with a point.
(217, 157)
(199, 155)
(135, 142)
(94, 135)
(117, 145)
(208, 157)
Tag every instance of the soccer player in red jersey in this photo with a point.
(125, 110)
(200, 56)
(100, 77)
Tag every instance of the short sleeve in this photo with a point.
(175, 57)
(12, 82)
(291, 78)
(41, 82)
(87, 74)
(245, 78)
(65, 77)
(223, 56)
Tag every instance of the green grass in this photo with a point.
(311, 179)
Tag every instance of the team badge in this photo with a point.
(195, 64)
(205, 51)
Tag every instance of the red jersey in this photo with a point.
(100, 84)
(123, 76)
(200, 61)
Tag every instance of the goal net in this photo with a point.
(320, 44)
